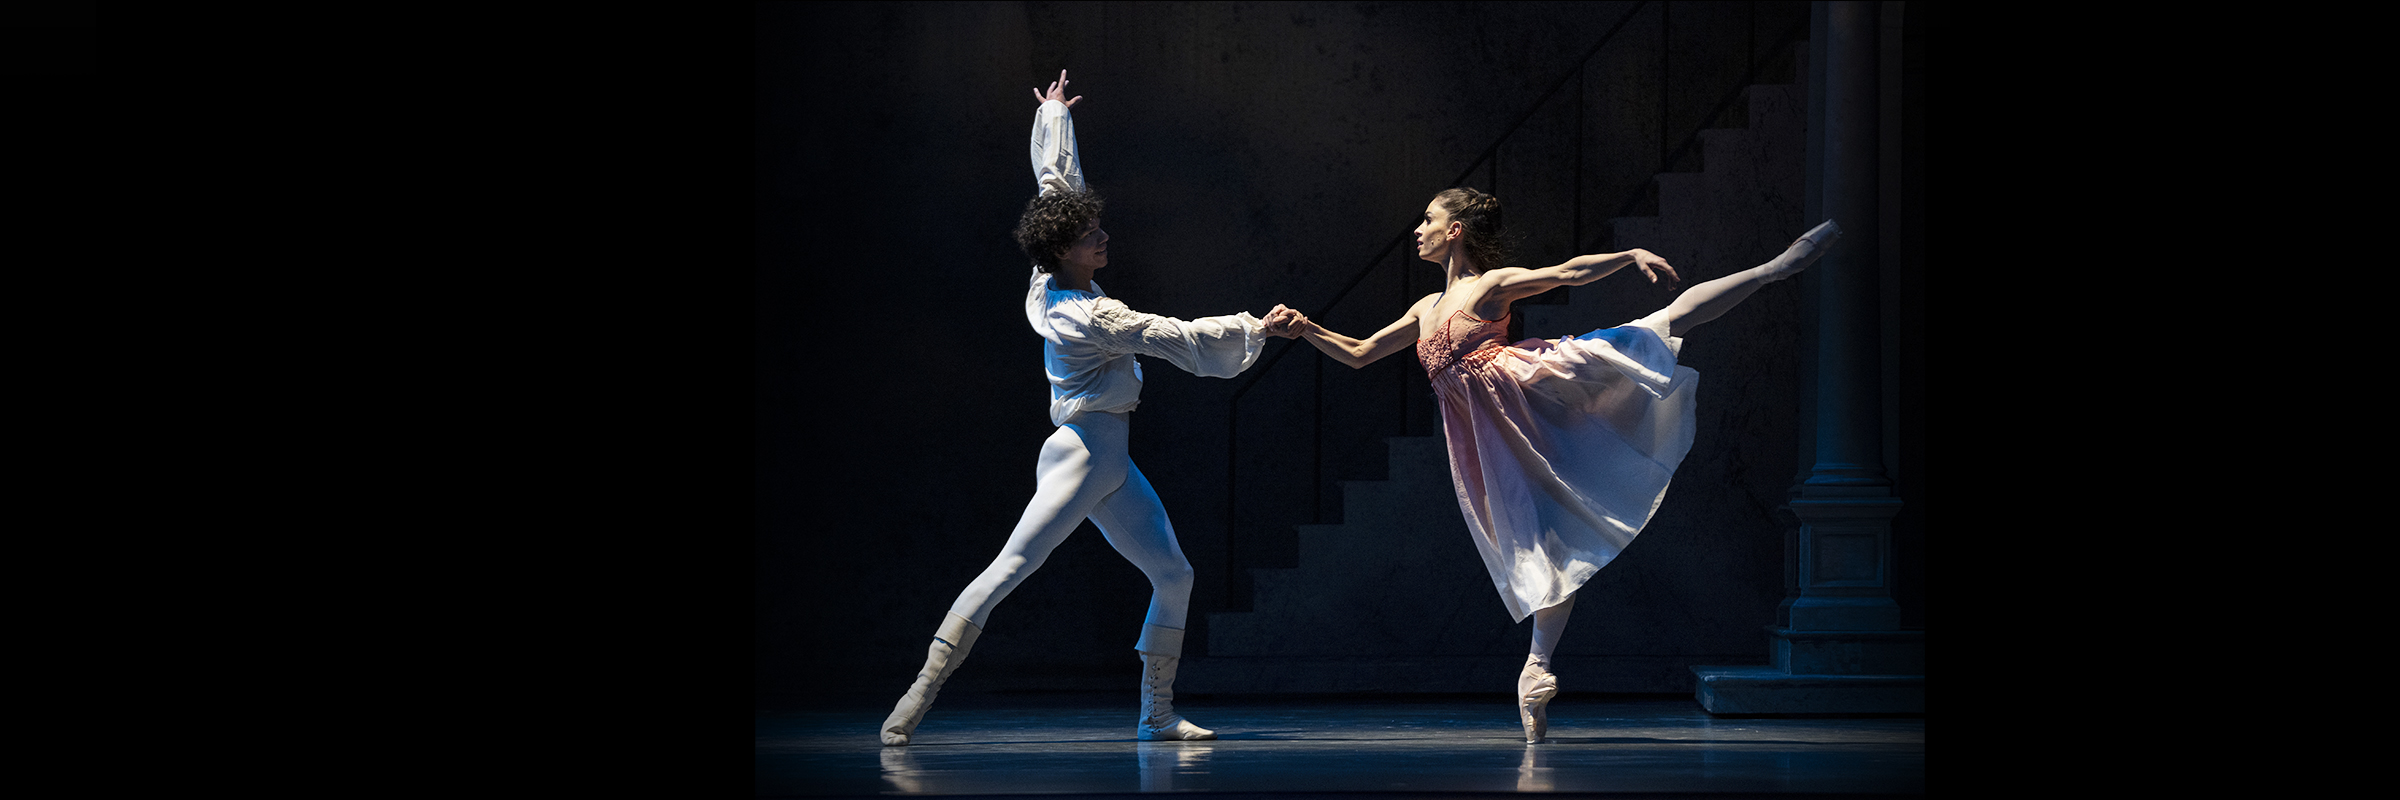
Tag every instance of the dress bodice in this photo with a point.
(1462, 337)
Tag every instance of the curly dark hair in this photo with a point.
(1478, 212)
(1054, 221)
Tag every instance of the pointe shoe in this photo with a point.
(950, 645)
(1804, 251)
(1535, 687)
(1161, 649)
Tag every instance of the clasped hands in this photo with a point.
(1283, 322)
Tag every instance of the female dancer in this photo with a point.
(1560, 449)
(1089, 341)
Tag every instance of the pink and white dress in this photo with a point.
(1560, 449)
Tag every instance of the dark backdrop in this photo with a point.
(1253, 154)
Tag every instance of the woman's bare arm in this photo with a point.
(1357, 353)
(1511, 285)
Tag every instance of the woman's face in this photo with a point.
(1435, 233)
(1090, 251)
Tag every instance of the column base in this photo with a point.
(1767, 690)
(1846, 652)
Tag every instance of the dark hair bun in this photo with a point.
(1478, 213)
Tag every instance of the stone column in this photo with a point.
(1837, 645)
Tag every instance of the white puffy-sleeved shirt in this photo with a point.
(1056, 164)
(1089, 339)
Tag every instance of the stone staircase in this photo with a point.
(1395, 599)
(1741, 210)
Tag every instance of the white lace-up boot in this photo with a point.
(1162, 649)
(950, 645)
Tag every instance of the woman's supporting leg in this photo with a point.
(1136, 524)
(1081, 463)
(1535, 684)
(1548, 625)
(1709, 300)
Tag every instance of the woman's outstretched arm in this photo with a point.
(1361, 352)
(1513, 284)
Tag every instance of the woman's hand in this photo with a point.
(1284, 322)
(1277, 322)
(1058, 91)
(1651, 265)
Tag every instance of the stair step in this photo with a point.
(1767, 690)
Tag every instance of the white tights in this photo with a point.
(1548, 625)
(1710, 300)
(1086, 472)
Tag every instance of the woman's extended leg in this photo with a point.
(1535, 684)
(1081, 463)
(1136, 524)
(1710, 300)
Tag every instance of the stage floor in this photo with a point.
(1084, 745)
